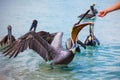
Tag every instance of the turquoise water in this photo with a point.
(96, 63)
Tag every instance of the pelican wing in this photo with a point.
(13, 38)
(33, 41)
(57, 41)
(76, 29)
(47, 36)
(4, 40)
(69, 44)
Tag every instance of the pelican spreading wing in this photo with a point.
(32, 40)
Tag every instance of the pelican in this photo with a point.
(91, 40)
(53, 52)
(69, 43)
(9, 38)
(93, 14)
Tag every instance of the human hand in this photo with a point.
(102, 13)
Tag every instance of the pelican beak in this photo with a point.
(76, 29)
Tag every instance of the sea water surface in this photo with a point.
(96, 63)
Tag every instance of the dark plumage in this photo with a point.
(34, 25)
(91, 40)
(9, 38)
(47, 36)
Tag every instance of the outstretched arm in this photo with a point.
(109, 9)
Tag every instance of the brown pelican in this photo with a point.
(93, 14)
(53, 52)
(9, 38)
(69, 43)
(91, 40)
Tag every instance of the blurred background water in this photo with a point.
(99, 63)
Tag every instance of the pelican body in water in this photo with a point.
(93, 12)
(9, 38)
(53, 51)
(91, 40)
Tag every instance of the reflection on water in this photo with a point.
(97, 63)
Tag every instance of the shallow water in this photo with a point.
(97, 63)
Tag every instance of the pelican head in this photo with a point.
(34, 25)
(94, 11)
(76, 29)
